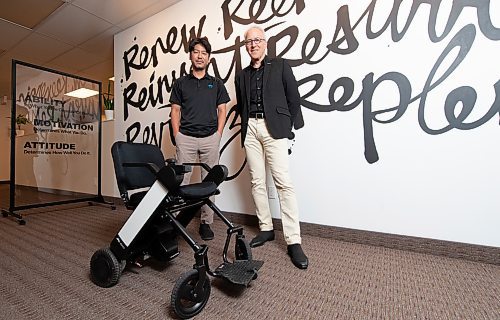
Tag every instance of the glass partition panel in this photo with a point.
(57, 139)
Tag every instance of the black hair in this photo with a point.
(202, 41)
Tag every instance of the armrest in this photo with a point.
(170, 176)
(203, 165)
(217, 174)
(179, 168)
(151, 166)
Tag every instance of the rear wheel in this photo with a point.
(105, 269)
(185, 301)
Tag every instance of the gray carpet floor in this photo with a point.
(44, 269)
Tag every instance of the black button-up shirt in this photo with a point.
(256, 83)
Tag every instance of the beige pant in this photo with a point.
(190, 149)
(260, 148)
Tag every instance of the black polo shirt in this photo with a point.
(198, 99)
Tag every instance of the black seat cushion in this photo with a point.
(197, 190)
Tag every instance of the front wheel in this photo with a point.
(185, 301)
(105, 269)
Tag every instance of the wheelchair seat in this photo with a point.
(208, 187)
(197, 190)
(139, 165)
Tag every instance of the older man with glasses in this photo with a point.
(269, 105)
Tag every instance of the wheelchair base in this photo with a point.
(240, 272)
(161, 215)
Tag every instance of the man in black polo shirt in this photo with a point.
(197, 116)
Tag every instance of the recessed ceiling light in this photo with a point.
(82, 93)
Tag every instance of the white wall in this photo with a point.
(108, 180)
(430, 179)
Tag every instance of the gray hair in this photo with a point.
(255, 27)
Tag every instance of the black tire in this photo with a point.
(123, 265)
(105, 269)
(242, 249)
(183, 301)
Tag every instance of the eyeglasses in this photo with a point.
(254, 41)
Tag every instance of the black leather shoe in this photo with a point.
(297, 256)
(205, 232)
(262, 238)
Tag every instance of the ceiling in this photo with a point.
(73, 36)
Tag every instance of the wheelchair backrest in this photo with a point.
(130, 178)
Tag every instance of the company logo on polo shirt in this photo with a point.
(210, 85)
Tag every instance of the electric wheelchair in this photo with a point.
(162, 208)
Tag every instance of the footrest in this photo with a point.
(240, 272)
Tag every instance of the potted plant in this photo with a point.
(21, 119)
(109, 104)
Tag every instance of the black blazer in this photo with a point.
(280, 97)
